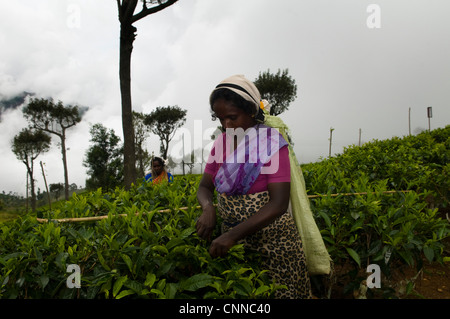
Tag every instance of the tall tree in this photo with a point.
(279, 89)
(127, 17)
(104, 159)
(27, 146)
(53, 118)
(56, 189)
(164, 122)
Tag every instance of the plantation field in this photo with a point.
(6, 216)
(383, 203)
(402, 232)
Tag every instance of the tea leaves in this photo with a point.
(385, 225)
(144, 254)
(145, 244)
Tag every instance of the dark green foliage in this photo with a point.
(279, 89)
(163, 122)
(54, 118)
(379, 227)
(27, 146)
(420, 163)
(150, 253)
(146, 254)
(104, 159)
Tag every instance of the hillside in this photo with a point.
(12, 102)
(417, 162)
(383, 204)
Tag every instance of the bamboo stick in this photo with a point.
(167, 210)
(97, 218)
(73, 220)
(354, 194)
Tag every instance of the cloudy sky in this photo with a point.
(357, 64)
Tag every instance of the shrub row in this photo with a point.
(147, 253)
(153, 250)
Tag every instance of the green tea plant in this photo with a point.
(374, 226)
(420, 163)
(147, 247)
(365, 227)
(147, 253)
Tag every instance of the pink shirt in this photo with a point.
(283, 174)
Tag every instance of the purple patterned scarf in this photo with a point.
(241, 168)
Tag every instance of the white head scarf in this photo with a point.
(242, 86)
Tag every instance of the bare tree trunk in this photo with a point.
(140, 161)
(33, 193)
(165, 148)
(28, 177)
(46, 187)
(127, 36)
(64, 159)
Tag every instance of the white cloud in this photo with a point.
(348, 76)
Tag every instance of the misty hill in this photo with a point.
(12, 103)
(16, 101)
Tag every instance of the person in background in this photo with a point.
(253, 198)
(159, 173)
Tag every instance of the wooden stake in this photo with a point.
(46, 187)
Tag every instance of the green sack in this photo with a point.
(318, 260)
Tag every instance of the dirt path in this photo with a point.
(433, 282)
(430, 282)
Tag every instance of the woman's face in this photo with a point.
(157, 167)
(231, 116)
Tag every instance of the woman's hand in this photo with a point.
(275, 207)
(206, 222)
(221, 245)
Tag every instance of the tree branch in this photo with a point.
(126, 10)
(131, 6)
(119, 9)
(147, 11)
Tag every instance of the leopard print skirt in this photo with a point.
(278, 244)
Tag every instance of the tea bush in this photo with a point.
(379, 227)
(144, 254)
(153, 251)
(420, 163)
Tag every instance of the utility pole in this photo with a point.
(331, 138)
(183, 155)
(409, 121)
(359, 143)
(430, 115)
